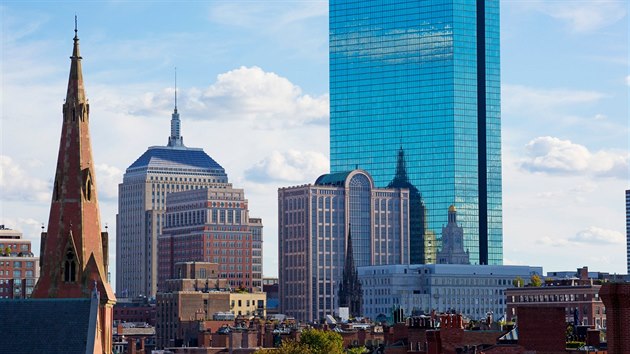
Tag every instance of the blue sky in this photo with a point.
(253, 82)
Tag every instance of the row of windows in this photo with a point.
(23, 247)
(17, 264)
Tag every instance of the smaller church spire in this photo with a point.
(175, 140)
(350, 293)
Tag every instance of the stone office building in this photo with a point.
(212, 225)
(314, 224)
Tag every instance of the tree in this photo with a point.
(322, 342)
(518, 282)
(535, 280)
(313, 341)
(293, 347)
(357, 350)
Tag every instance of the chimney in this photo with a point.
(583, 273)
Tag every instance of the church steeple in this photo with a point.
(74, 251)
(175, 140)
(350, 293)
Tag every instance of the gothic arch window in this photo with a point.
(87, 184)
(70, 267)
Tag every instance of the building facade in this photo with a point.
(212, 225)
(19, 268)
(580, 301)
(472, 290)
(423, 76)
(313, 224)
(142, 204)
(195, 295)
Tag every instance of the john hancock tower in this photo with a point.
(419, 79)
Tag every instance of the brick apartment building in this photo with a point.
(575, 294)
(19, 269)
(136, 310)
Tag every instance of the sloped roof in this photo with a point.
(161, 156)
(332, 179)
(45, 325)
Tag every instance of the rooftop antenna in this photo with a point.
(175, 89)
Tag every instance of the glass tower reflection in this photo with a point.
(423, 76)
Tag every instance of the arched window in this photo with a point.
(70, 267)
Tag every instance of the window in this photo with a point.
(70, 267)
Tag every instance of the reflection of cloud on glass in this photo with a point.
(425, 44)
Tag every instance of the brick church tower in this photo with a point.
(74, 251)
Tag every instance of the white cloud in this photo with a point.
(108, 178)
(18, 184)
(248, 93)
(592, 235)
(293, 28)
(517, 98)
(268, 17)
(508, 261)
(597, 236)
(553, 241)
(556, 156)
(581, 16)
(254, 94)
(30, 228)
(290, 166)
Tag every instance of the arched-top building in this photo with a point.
(313, 226)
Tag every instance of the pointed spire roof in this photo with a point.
(175, 140)
(349, 266)
(401, 180)
(350, 293)
(401, 166)
(74, 249)
(76, 92)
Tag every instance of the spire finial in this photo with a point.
(76, 31)
(175, 139)
(175, 89)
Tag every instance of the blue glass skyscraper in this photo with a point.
(419, 80)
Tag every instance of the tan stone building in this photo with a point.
(142, 203)
(195, 296)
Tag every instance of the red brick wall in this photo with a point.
(616, 297)
(542, 328)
